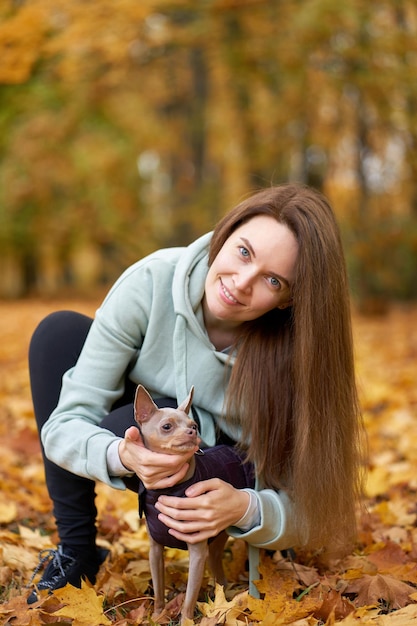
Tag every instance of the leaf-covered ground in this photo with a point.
(376, 584)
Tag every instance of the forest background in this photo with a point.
(129, 126)
(132, 125)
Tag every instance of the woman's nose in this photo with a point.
(243, 280)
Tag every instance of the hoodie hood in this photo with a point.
(196, 360)
(188, 285)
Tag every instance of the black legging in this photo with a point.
(54, 348)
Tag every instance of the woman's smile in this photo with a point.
(225, 293)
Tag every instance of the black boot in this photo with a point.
(65, 566)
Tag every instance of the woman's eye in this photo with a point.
(244, 251)
(274, 282)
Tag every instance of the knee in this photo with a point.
(52, 325)
(57, 326)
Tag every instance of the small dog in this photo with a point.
(171, 431)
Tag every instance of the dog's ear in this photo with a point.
(186, 405)
(145, 407)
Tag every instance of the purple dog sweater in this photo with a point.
(221, 461)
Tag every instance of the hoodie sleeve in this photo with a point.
(277, 527)
(72, 436)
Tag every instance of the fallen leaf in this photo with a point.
(374, 590)
(278, 589)
(8, 511)
(404, 617)
(334, 604)
(389, 555)
(221, 609)
(83, 605)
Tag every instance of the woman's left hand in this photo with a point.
(210, 507)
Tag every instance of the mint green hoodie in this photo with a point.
(151, 325)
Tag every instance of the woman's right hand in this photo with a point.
(155, 470)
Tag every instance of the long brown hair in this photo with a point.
(293, 383)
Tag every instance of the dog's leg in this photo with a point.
(197, 561)
(216, 548)
(156, 562)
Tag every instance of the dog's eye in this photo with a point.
(167, 426)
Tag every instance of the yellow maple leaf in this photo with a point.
(225, 612)
(278, 589)
(34, 538)
(8, 511)
(377, 481)
(83, 605)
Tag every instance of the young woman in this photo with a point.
(256, 316)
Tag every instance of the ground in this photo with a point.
(376, 584)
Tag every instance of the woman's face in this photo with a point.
(252, 274)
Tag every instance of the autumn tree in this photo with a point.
(124, 129)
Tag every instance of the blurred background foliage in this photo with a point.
(129, 125)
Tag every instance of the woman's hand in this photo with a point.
(155, 470)
(210, 507)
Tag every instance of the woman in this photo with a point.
(256, 316)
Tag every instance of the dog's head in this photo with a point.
(166, 430)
